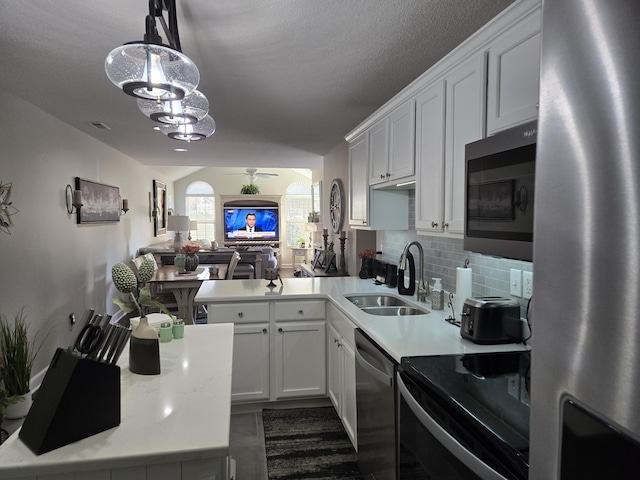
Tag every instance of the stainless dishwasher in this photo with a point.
(375, 399)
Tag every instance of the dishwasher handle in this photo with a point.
(446, 440)
(377, 374)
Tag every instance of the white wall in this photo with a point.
(50, 265)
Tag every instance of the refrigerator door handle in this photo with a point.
(446, 440)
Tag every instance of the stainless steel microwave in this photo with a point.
(500, 193)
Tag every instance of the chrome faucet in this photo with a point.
(421, 294)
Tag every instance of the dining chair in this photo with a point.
(233, 263)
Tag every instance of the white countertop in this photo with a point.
(403, 336)
(182, 414)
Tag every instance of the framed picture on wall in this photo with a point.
(159, 208)
(100, 202)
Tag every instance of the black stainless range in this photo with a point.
(463, 416)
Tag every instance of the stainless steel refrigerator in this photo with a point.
(586, 301)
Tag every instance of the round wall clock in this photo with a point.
(336, 205)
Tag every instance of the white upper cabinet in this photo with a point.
(464, 123)
(379, 152)
(391, 146)
(514, 75)
(430, 111)
(372, 209)
(450, 114)
(359, 180)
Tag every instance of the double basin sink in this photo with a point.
(385, 305)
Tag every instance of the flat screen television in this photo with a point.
(267, 226)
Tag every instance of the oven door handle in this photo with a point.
(446, 440)
(377, 374)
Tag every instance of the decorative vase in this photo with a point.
(20, 409)
(179, 262)
(366, 269)
(144, 349)
(191, 262)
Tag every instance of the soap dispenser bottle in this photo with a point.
(437, 295)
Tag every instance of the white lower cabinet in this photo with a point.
(250, 376)
(300, 360)
(341, 371)
(279, 349)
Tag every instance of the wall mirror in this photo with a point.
(316, 200)
(159, 208)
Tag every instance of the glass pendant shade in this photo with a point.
(191, 132)
(152, 72)
(191, 109)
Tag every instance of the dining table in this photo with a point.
(184, 286)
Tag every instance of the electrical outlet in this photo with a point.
(515, 283)
(527, 284)
(514, 386)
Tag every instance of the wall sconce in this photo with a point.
(125, 206)
(74, 199)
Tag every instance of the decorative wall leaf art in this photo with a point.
(6, 208)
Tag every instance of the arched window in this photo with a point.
(297, 204)
(201, 206)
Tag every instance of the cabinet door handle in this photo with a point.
(264, 330)
(240, 314)
(280, 330)
(434, 224)
(388, 174)
(445, 225)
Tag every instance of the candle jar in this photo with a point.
(178, 329)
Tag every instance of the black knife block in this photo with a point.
(77, 398)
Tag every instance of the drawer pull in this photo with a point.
(301, 312)
(240, 314)
(280, 330)
(264, 330)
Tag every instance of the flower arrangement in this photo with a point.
(367, 253)
(137, 289)
(190, 249)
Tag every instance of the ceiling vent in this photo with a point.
(99, 126)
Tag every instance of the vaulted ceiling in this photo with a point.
(286, 79)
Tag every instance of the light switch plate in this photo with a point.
(527, 285)
(515, 283)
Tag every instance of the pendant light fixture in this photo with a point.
(190, 132)
(150, 70)
(191, 109)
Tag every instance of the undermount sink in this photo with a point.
(385, 305)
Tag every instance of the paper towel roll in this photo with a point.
(463, 288)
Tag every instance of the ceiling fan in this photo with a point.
(252, 174)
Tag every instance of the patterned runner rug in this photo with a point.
(308, 444)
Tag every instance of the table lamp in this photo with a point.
(193, 225)
(178, 223)
(310, 227)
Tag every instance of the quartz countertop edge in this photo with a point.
(399, 336)
(180, 415)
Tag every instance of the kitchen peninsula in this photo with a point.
(401, 336)
(173, 426)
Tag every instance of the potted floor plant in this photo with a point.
(18, 354)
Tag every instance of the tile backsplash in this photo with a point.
(443, 255)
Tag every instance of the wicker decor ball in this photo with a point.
(145, 272)
(123, 278)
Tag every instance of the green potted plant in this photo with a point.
(301, 241)
(18, 355)
(250, 189)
